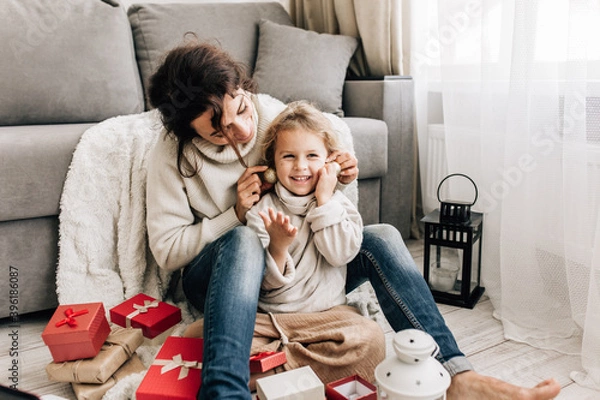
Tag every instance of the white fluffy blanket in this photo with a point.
(103, 252)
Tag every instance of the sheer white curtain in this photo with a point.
(511, 88)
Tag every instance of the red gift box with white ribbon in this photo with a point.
(267, 360)
(141, 311)
(76, 331)
(175, 373)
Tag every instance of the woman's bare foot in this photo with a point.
(472, 386)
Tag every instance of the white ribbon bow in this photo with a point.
(178, 362)
(140, 309)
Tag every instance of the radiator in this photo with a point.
(436, 166)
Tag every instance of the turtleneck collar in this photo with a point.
(299, 205)
(225, 154)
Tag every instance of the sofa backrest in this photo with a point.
(66, 61)
(158, 28)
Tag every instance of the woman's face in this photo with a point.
(237, 120)
(299, 155)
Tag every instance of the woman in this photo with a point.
(202, 179)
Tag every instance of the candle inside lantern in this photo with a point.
(443, 275)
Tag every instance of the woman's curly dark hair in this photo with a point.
(194, 78)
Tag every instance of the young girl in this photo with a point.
(310, 232)
(310, 229)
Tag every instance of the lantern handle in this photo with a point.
(464, 176)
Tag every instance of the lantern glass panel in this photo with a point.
(442, 261)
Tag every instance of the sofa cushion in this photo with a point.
(159, 27)
(34, 160)
(66, 61)
(296, 64)
(370, 145)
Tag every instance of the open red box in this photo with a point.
(267, 360)
(353, 387)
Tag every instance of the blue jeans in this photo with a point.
(403, 294)
(224, 281)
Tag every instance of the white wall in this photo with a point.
(127, 3)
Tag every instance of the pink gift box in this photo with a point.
(267, 360)
(76, 331)
(176, 373)
(141, 311)
(353, 387)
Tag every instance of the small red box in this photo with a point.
(141, 311)
(176, 373)
(353, 387)
(267, 360)
(76, 331)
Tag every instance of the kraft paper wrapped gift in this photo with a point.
(141, 311)
(297, 384)
(351, 388)
(116, 350)
(175, 373)
(90, 391)
(267, 360)
(76, 331)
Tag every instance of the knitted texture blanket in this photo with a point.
(103, 251)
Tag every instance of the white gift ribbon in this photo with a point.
(140, 309)
(177, 362)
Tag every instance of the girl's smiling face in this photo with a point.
(299, 155)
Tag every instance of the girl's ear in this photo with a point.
(270, 175)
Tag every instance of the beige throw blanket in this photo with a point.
(335, 343)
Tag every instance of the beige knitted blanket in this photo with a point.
(335, 343)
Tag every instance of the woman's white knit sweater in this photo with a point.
(186, 214)
(329, 236)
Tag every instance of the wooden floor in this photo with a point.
(477, 332)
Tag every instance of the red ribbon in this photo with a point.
(261, 355)
(70, 320)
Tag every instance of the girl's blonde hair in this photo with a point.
(299, 115)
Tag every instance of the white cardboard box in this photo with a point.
(297, 384)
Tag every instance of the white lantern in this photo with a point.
(414, 373)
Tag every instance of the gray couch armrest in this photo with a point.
(391, 99)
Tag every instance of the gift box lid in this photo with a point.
(147, 313)
(76, 323)
(297, 384)
(352, 387)
(176, 372)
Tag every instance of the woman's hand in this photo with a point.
(249, 189)
(348, 163)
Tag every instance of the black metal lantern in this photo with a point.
(453, 242)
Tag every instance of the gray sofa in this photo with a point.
(68, 65)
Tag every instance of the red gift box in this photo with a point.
(353, 387)
(141, 311)
(267, 360)
(176, 373)
(76, 331)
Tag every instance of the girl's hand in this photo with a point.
(249, 189)
(348, 163)
(281, 233)
(326, 184)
